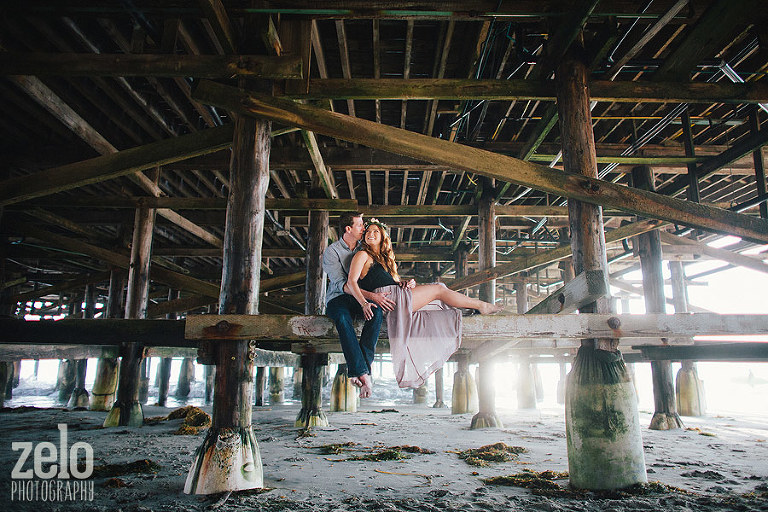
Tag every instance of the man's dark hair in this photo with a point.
(347, 219)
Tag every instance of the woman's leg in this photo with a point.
(424, 294)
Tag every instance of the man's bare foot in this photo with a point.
(367, 385)
(489, 309)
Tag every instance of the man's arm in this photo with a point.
(333, 268)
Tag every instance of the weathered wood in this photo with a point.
(217, 16)
(314, 302)
(754, 263)
(523, 263)
(150, 65)
(715, 27)
(486, 416)
(68, 284)
(733, 351)
(249, 176)
(585, 288)
(126, 411)
(569, 184)
(746, 146)
(757, 158)
(317, 161)
(480, 328)
(10, 352)
(174, 279)
(543, 90)
(648, 246)
(113, 165)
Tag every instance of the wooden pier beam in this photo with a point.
(526, 388)
(602, 453)
(486, 416)
(648, 246)
(126, 411)
(229, 458)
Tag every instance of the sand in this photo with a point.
(722, 465)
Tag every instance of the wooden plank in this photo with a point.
(50, 101)
(573, 186)
(519, 89)
(481, 328)
(102, 331)
(754, 263)
(747, 145)
(14, 352)
(733, 351)
(217, 16)
(113, 165)
(585, 288)
(317, 161)
(713, 30)
(150, 65)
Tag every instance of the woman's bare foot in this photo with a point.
(367, 385)
(489, 309)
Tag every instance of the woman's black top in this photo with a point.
(376, 277)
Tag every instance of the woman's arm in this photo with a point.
(359, 262)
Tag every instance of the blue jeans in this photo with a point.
(359, 355)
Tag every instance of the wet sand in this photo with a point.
(721, 465)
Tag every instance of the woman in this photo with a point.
(425, 327)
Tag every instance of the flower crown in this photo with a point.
(376, 222)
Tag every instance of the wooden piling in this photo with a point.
(311, 413)
(186, 376)
(229, 458)
(276, 381)
(464, 394)
(259, 385)
(648, 246)
(343, 393)
(603, 453)
(486, 416)
(439, 390)
(689, 389)
(126, 411)
(105, 385)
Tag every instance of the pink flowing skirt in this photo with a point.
(422, 341)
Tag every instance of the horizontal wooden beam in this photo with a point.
(481, 328)
(542, 90)
(77, 282)
(584, 289)
(14, 352)
(733, 351)
(754, 263)
(539, 177)
(113, 165)
(174, 279)
(528, 262)
(203, 203)
(146, 64)
(276, 332)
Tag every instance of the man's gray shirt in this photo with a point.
(337, 258)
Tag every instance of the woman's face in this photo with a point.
(373, 236)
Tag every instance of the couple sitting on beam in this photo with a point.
(423, 321)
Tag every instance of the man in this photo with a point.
(342, 307)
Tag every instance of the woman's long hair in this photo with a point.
(385, 256)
